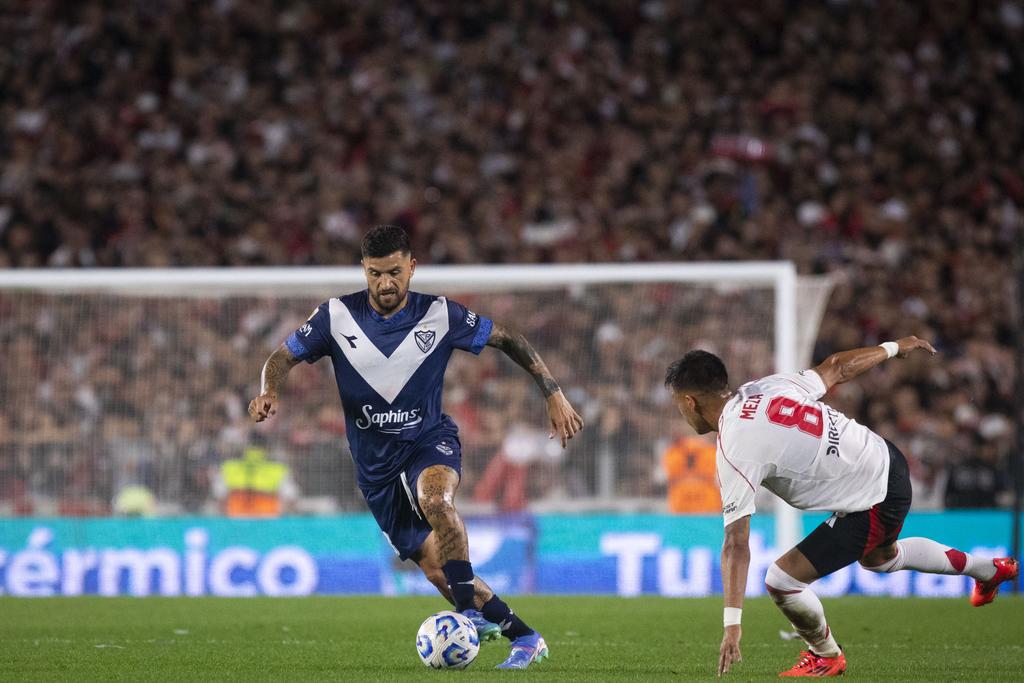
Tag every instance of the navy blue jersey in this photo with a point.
(390, 371)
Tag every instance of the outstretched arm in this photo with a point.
(275, 372)
(845, 365)
(565, 421)
(735, 562)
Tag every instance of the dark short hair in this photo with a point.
(697, 371)
(383, 240)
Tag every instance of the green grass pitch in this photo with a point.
(591, 639)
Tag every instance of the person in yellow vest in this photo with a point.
(253, 486)
(689, 465)
(135, 500)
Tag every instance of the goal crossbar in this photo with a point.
(158, 279)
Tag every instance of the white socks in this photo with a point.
(926, 555)
(803, 609)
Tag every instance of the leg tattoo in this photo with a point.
(437, 486)
(436, 492)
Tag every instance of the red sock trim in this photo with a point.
(958, 559)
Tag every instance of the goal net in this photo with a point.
(127, 390)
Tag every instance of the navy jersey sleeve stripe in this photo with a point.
(483, 333)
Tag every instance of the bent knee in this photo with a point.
(780, 585)
(876, 568)
(880, 560)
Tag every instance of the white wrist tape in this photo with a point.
(891, 348)
(732, 616)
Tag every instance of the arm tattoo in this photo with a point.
(275, 370)
(515, 346)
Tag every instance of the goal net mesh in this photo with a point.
(107, 392)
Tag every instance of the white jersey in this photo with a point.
(775, 433)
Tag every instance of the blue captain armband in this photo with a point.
(483, 333)
(296, 347)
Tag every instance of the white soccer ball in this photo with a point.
(447, 640)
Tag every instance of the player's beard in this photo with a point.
(389, 302)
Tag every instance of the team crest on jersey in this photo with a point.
(425, 339)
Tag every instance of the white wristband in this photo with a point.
(732, 616)
(891, 348)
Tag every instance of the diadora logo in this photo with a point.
(444, 448)
(390, 421)
(425, 339)
(305, 330)
(471, 318)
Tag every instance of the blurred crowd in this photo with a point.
(150, 393)
(879, 142)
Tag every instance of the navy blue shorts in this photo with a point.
(394, 504)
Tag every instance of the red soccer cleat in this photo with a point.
(816, 666)
(985, 591)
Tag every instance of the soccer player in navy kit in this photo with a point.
(390, 348)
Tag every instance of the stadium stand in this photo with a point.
(878, 142)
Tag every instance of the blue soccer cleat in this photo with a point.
(485, 630)
(525, 651)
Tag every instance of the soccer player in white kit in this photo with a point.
(775, 432)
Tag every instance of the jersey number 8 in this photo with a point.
(789, 413)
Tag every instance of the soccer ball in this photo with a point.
(447, 640)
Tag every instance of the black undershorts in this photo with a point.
(845, 538)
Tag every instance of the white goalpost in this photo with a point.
(110, 343)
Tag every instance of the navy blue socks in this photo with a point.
(459, 576)
(497, 612)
